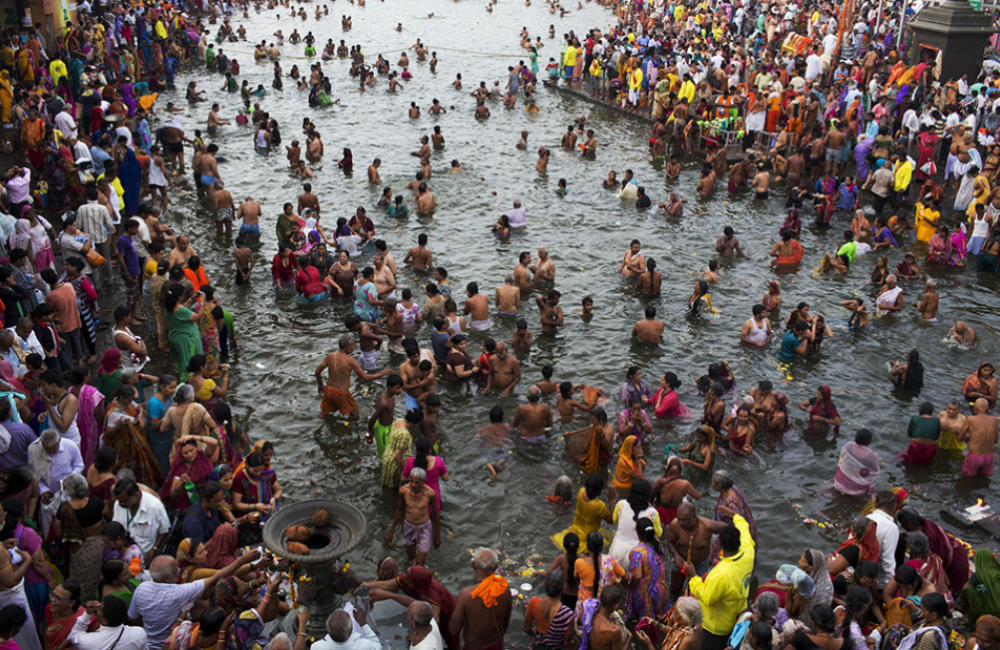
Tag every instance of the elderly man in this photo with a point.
(8, 351)
(157, 604)
(27, 341)
(418, 510)
(143, 516)
(426, 633)
(113, 633)
(341, 634)
(482, 612)
(53, 459)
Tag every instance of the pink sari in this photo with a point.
(90, 431)
(958, 251)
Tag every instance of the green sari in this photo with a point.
(108, 384)
(185, 340)
(282, 228)
(982, 594)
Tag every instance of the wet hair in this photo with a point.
(638, 497)
(595, 544)
(926, 408)
(593, 486)
(554, 583)
(423, 448)
(823, 619)
(647, 535)
(863, 437)
(914, 379)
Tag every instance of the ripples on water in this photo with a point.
(587, 232)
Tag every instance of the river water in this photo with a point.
(586, 232)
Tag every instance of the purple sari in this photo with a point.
(90, 431)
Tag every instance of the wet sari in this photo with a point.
(626, 470)
(419, 583)
(648, 596)
(132, 444)
(209, 332)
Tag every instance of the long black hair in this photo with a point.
(914, 372)
(423, 449)
(571, 544)
(595, 544)
(857, 601)
(646, 533)
(638, 497)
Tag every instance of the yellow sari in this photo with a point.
(6, 98)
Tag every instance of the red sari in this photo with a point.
(57, 634)
(199, 471)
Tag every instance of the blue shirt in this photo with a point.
(99, 157)
(199, 524)
(789, 343)
(127, 247)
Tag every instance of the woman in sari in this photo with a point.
(89, 414)
(982, 593)
(858, 466)
(630, 464)
(926, 220)
(248, 628)
(397, 448)
(959, 253)
(595, 571)
(939, 247)
(772, 299)
(981, 383)
(417, 583)
(547, 620)
(125, 430)
(186, 417)
(927, 564)
(191, 559)
(208, 633)
(683, 630)
(130, 174)
(61, 615)
(822, 412)
(78, 524)
(6, 98)
(647, 594)
(109, 374)
(700, 452)
(366, 302)
(792, 223)
(635, 387)
(342, 275)
(255, 489)
(925, 153)
(731, 497)
(990, 256)
(220, 551)
(185, 342)
(117, 581)
(283, 266)
(788, 251)
(954, 557)
(86, 295)
(190, 465)
(597, 452)
(665, 401)
(206, 391)
(161, 442)
(589, 512)
(883, 234)
(209, 331)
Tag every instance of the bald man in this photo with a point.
(505, 372)
(534, 418)
(689, 540)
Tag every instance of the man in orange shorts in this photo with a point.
(337, 392)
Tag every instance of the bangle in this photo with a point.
(301, 633)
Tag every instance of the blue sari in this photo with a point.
(130, 173)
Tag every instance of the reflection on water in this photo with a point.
(587, 232)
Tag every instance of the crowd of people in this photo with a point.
(135, 501)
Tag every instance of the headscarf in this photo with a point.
(130, 173)
(225, 595)
(626, 464)
(868, 545)
(7, 374)
(257, 446)
(821, 577)
(824, 408)
(218, 472)
(21, 238)
(221, 548)
(110, 361)
(185, 553)
(200, 471)
(418, 582)
(985, 593)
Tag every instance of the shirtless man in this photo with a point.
(633, 264)
(835, 140)
(380, 422)
(336, 395)
(416, 382)
(795, 168)
(550, 312)
(308, 200)
(727, 244)
(494, 437)
(673, 168)
(482, 112)
(689, 540)
(928, 305)
(648, 331)
(370, 340)
(544, 269)
(425, 148)
(249, 212)
(590, 147)
(569, 139)
(182, 252)
(508, 298)
(605, 633)
(420, 257)
(522, 142)
(505, 371)
(418, 510)
(761, 180)
(373, 176)
(707, 183)
(952, 420)
(534, 418)
(385, 282)
(437, 138)
(223, 208)
(670, 489)
(314, 147)
(482, 627)
(292, 153)
(522, 277)
(477, 306)
(214, 121)
(209, 168)
(981, 437)
(963, 334)
(739, 173)
(425, 200)
(175, 144)
(771, 416)
(158, 233)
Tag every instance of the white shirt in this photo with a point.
(518, 218)
(123, 637)
(829, 42)
(148, 522)
(122, 131)
(814, 67)
(887, 534)
(65, 123)
(367, 640)
(433, 641)
(159, 604)
(67, 460)
(30, 344)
